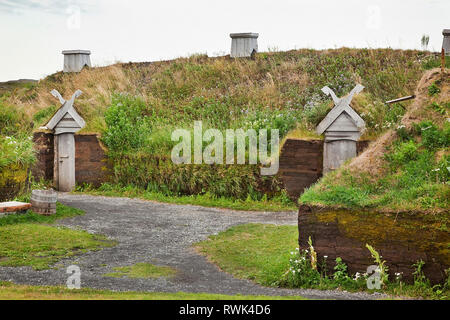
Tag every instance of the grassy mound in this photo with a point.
(406, 169)
(222, 90)
(136, 107)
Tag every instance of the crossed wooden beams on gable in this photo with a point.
(342, 118)
(66, 119)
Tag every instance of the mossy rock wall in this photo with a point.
(401, 239)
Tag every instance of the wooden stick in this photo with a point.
(400, 99)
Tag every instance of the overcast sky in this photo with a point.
(34, 32)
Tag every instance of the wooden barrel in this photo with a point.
(44, 201)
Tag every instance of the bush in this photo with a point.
(16, 151)
(141, 156)
(127, 125)
(433, 137)
(283, 120)
(17, 155)
(403, 153)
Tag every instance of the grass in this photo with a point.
(62, 211)
(136, 107)
(278, 80)
(266, 254)
(10, 291)
(29, 240)
(415, 177)
(142, 271)
(253, 251)
(280, 204)
(435, 62)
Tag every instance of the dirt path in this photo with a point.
(162, 234)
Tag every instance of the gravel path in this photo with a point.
(162, 234)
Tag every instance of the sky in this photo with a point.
(33, 33)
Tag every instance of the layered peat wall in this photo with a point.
(301, 164)
(91, 164)
(401, 239)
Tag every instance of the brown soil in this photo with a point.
(371, 160)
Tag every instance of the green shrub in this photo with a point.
(402, 153)
(160, 174)
(433, 137)
(140, 155)
(128, 127)
(283, 120)
(16, 150)
(340, 275)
